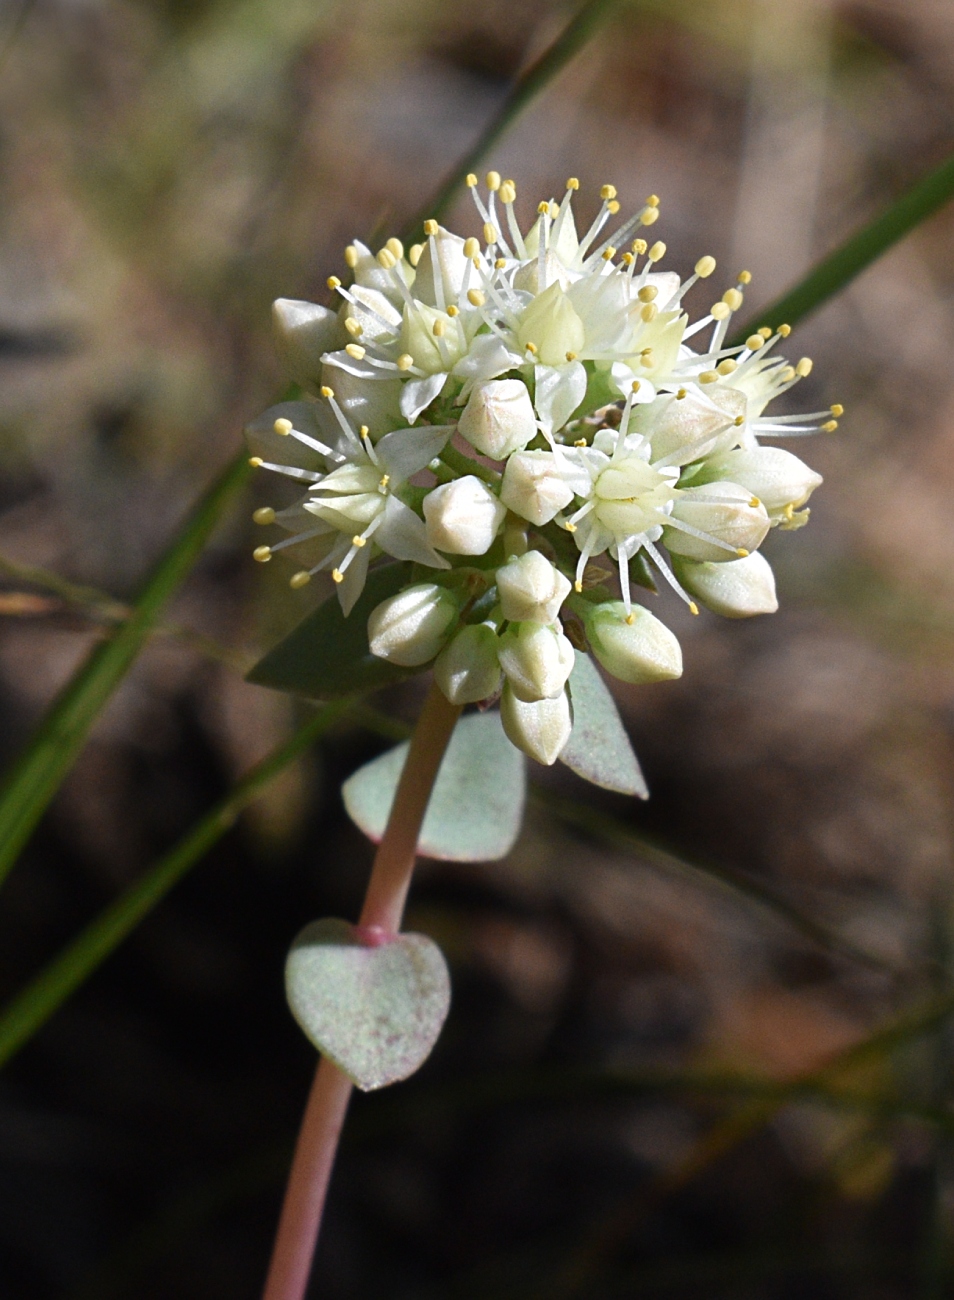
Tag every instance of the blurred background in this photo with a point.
(167, 168)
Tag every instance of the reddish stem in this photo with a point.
(380, 918)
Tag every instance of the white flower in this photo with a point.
(498, 419)
(411, 627)
(632, 644)
(737, 589)
(463, 517)
(467, 669)
(533, 486)
(531, 589)
(780, 480)
(541, 728)
(720, 521)
(536, 660)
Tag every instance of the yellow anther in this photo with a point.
(681, 394)
(508, 192)
(532, 348)
(745, 277)
(727, 366)
(351, 256)
(709, 377)
(572, 183)
(255, 461)
(652, 201)
(383, 482)
(264, 515)
(754, 342)
(630, 618)
(262, 553)
(784, 330)
(570, 528)
(360, 541)
(719, 311)
(647, 217)
(705, 266)
(636, 385)
(282, 427)
(337, 575)
(657, 252)
(765, 331)
(571, 356)
(355, 350)
(396, 247)
(354, 327)
(405, 361)
(431, 227)
(414, 253)
(608, 192)
(741, 552)
(578, 586)
(493, 180)
(300, 579)
(476, 297)
(829, 426)
(648, 293)
(693, 607)
(613, 206)
(471, 247)
(439, 329)
(649, 312)
(580, 442)
(627, 259)
(609, 254)
(789, 512)
(453, 311)
(500, 263)
(387, 259)
(639, 247)
(732, 299)
(326, 391)
(739, 421)
(646, 353)
(804, 367)
(543, 207)
(365, 432)
(333, 282)
(837, 409)
(754, 503)
(490, 233)
(470, 180)
(787, 375)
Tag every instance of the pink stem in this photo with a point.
(328, 1101)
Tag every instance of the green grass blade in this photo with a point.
(36, 775)
(850, 259)
(21, 1018)
(571, 40)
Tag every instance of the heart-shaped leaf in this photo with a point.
(327, 655)
(599, 749)
(476, 807)
(374, 1008)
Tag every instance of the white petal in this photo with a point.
(403, 535)
(361, 369)
(406, 451)
(351, 588)
(559, 391)
(487, 357)
(419, 393)
(623, 378)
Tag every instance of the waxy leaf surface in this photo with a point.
(599, 749)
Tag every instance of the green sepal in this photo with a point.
(599, 749)
(327, 655)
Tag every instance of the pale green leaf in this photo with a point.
(599, 749)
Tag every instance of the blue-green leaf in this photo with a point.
(476, 808)
(327, 655)
(599, 749)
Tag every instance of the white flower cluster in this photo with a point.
(503, 411)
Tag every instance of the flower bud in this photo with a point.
(537, 660)
(779, 479)
(531, 589)
(637, 651)
(532, 488)
(418, 339)
(724, 511)
(686, 429)
(550, 323)
(463, 516)
(737, 589)
(540, 729)
(303, 331)
(467, 669)
(451, 262)
(411, 627)
(499, 418)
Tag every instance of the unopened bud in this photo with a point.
(772, 474)
(537, 660)
(531, 589)
(463, 516)
(635, 647)
(467, 669)
(410, 628)
(551, 324)
(724, 512)
(303, 331)
(498, 419)
(532, 488)
(738, 589)
(451, 265)
(540, 729)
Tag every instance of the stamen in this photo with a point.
(264, 515)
